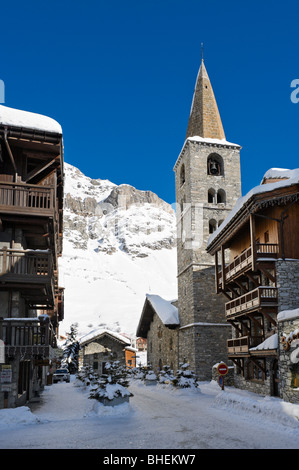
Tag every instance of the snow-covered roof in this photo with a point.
(100, 332)
(290, 177)
(166, 311)
(286, 315)
(206, 140)
(28, 120)
(209, 140)
(279, 173)
(269, 343)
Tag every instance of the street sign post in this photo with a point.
(222, 370)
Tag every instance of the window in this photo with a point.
(266, 237)
(215, 165)
(255, 370)
(211, 195)
(221, 199)
(212, 225)
(182, 174)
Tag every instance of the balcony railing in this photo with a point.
(25, 265)
(27, 198)
(239, 346)
(245, 260)
(253, 300)
(27, 337)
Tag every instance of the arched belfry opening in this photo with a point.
(215, 165)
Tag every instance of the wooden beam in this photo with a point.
(235, 326)
(271, 320)
(39, 169)
(242, 287)
(223, 267)
(253, 241)
(252, 279)
(216, 272)
(267, 274)
(258, 364)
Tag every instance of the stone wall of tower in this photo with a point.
(203, 332)
(194, 210)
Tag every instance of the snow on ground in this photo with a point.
(157, 417)
(114, 287)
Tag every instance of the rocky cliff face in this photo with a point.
(107, 217)
(119, 245)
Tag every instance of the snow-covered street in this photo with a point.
(158, 417)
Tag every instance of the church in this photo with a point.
(208, 184)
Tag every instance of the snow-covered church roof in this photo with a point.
(28, 120)
(167, 312)
(165, 309)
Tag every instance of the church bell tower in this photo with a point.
(208, 184)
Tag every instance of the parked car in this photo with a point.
(60, 375)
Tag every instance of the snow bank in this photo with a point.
(20, 415)
(117, 411)
(268, 408)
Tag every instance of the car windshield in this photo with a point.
(62, 371)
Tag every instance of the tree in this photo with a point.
(185, 378)
(113, 384)
(71, 349)
(166, 375)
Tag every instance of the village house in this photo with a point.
(159, 324)
(261, 284)
(101, 346)
(31, 212)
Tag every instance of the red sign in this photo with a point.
(222, 368)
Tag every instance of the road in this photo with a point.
(156, 418)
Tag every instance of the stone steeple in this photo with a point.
(204, 119)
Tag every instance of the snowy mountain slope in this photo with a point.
(119, 245)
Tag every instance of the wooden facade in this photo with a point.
(31, 227)
(262, 231)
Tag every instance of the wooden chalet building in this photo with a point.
(260, 237)
(31, 211)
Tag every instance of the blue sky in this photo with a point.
(119, 77)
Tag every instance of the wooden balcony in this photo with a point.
(27, 337)
(245, 261)
(28, 270)
(27, 199)
(256, 299)
(25, 265)
(240, 346)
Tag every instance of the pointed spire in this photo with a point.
(204, 119)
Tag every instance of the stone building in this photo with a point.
(102, 346)
(159, 323)
(208, 184)
(288, 353)
(261, 282)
